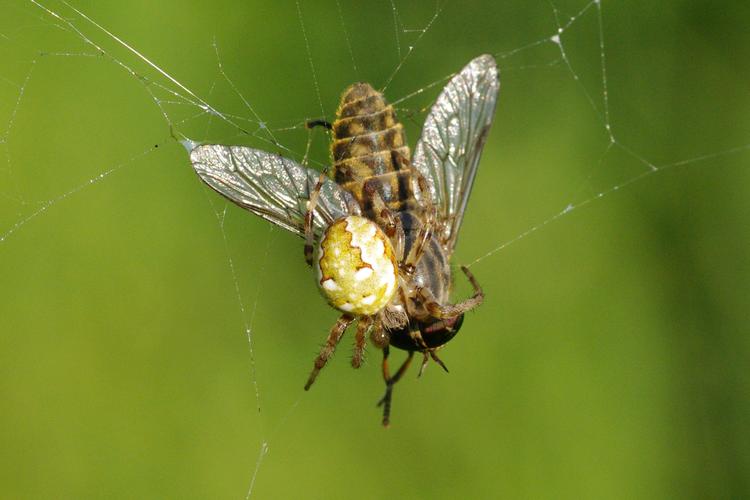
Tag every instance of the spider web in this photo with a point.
(95, 78)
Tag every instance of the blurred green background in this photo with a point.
(610, 359)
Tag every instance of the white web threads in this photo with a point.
(247, 322)
(167, 96)
(606, 123)
(346, 37)
(410, 49)
(262, 127)
(67, 194)
(557, 39)
(396, 28)
(178, 98)
(309, 57)
(14, 112)
(16, 195)
(261, 455)
(603, 59)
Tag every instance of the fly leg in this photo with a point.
(385, 402)
(310, 124)
(434, 356)
(311, 204)
(425, 194)
(430, 219)
(409, 264)
(416, 337)
(384, 217)
(427, 353)
(426, 358)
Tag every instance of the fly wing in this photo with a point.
(270, 186)
(453, 136)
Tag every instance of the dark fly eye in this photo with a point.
(434, 333)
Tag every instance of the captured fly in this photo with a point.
(380, 231)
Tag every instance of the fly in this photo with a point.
(379, 233)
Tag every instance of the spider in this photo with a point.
(380, 231)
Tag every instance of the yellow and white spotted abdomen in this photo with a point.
(356, 266)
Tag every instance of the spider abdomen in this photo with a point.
(356, 267)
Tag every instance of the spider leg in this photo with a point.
(378, 210)
(385, 402)
(453, 310)
(311, 204)
(330, 346)
(422, 186)
(385, 218)
(430, 218)
(360, 341)
(426, 195)
(409, 263)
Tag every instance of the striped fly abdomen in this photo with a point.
(369, 144)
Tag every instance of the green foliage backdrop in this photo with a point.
(610, 359)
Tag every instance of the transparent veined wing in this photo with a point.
(453, 136)
(271, 186)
